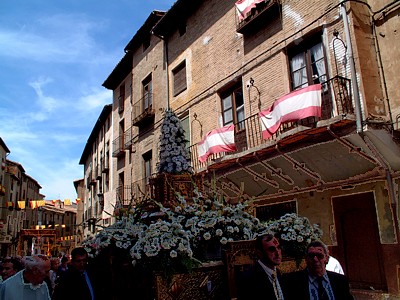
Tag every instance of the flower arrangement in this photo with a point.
(295, 233)
(171, 240)
(174, 156)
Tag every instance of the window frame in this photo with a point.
(179, 74)
(147, 92)
(236, 106)
(305, 48)
(147, 165)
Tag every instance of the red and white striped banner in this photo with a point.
(217, 140)
(244, 6)
(299, 104)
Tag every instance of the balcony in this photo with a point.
(98, 172)
(105, 165)
(118, 146)
(129, 195)
(128, 138)
(143, 112)
(91, 180)
(259, 17)
(336, 103)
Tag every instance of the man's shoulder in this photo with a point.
(336, 276)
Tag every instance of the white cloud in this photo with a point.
(98, 98)
(54, 38)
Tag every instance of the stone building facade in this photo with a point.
(215, 68)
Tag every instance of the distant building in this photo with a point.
(97, 195)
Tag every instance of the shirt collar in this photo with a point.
(268, 270)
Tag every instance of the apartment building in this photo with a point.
(220, 64)
(97, 190)
(139, 85)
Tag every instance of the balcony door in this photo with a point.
(308, 66)
(147, 93)
(233, 107)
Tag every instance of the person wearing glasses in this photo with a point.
(315, 282)
(263, 281)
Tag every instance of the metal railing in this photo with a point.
(118, 146)
(142, 108)
(255, 13)
(133, 193)
(336, 100)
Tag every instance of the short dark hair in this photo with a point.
(17, 264)
(259, 239)
(79, 251)
(317, 243)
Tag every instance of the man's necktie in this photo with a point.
(321, 291)
(275, 285)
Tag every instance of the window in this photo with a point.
(147, 93)
(147, 159)
(121, 134)
(275, 211)
(307, 64)
(186, 126)
(233, 107)
(179, 78)
(307, 67)
(121, 98)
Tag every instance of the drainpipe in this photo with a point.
(352, 69)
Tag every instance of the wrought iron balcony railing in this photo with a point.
(258, 17)
(142, 110)
(133, 193)
(118, 146)
(336, 100)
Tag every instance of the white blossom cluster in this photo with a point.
(179, 233)
(174, 156)
(295, 233)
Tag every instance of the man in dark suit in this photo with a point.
(262, 282)
(76, 283)
(315, 283)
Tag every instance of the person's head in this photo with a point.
(317, 256)
(270, 249)
(79, 259)
(54, 263)
(36, 269)
(10, 266)
(64, 260)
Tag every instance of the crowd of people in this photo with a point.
(39, 277)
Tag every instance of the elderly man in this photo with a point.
(263, 280)
(315, 282)
(28, 284)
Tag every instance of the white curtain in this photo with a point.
(299, 71)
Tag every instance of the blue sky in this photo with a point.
(54, 57)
